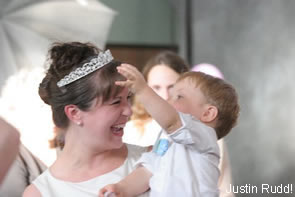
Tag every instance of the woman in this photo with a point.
(161, 72)
(91, 112)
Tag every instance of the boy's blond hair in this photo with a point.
(220, 94)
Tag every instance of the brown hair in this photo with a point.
(167, 58)
(62, 59)
(220, 94)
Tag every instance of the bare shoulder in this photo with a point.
(8, 132)
(31, 191)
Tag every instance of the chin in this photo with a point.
(118, 145)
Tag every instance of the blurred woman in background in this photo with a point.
(9, 145)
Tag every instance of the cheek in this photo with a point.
(180, 106)
(104, 118)
(96, 124)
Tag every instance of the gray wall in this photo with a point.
(253, 43)
(148, 22)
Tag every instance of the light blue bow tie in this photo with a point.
(161, 147)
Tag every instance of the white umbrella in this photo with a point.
(27, 28)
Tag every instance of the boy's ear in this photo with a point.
(74, 114)
(209, 114)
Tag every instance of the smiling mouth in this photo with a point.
(118, 130)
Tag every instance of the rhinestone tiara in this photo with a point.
(94, 64)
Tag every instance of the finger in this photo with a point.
(131, 68)
(102, 192)
(127, 65)
(109, 194)
(128, 74)
(124, 83)
(121, 83)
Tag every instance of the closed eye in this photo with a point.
(129, 97)
(170, 87)
(179, 96)
(115, 102)
(156, 87)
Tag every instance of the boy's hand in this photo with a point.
(134, 79)
(111, 190)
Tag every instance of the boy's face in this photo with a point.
(188, 99)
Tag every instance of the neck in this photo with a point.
(79, 158)
(80, 151)
(80, 163)
(76, 167)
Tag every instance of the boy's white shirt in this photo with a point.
(190, 165)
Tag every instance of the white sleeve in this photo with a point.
(147, 160)
(194, 133)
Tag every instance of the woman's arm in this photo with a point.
(225, 178)
(9, 146)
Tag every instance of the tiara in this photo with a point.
(94, 64)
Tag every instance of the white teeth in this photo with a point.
(121, 126)
(118, 128)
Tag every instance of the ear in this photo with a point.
(74, 114)
(210, 113)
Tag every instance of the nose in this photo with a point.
(127, 111)
(164, 93)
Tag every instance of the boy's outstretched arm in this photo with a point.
(158, 108)
(134, 184)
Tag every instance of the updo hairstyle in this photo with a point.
(63, 58)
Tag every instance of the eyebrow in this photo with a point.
(179, 89)
(129, 94)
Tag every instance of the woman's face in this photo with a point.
(105, 121)
(161, 79)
